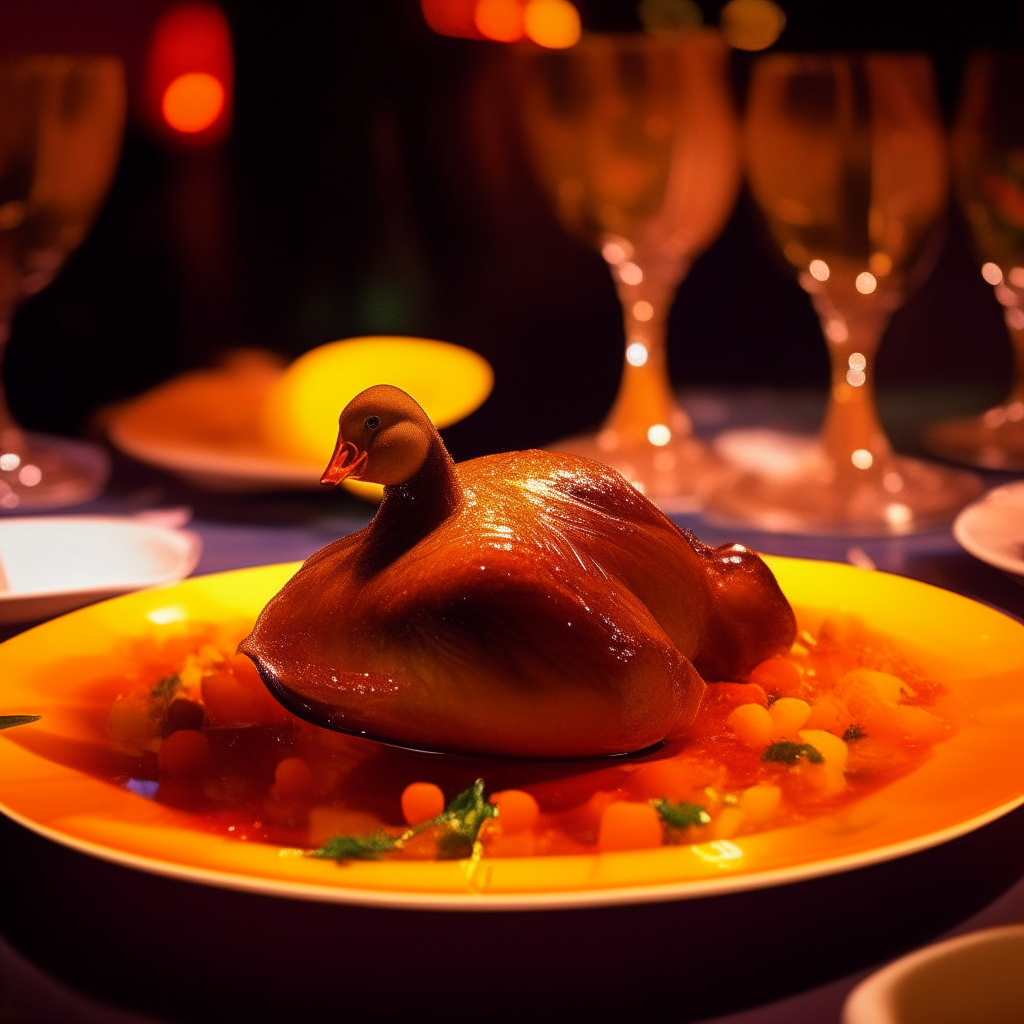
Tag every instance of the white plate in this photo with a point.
(992, 528)
(51, 564)
(975, 977)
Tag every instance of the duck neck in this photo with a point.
(412, 510)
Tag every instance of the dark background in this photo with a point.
(375, 182)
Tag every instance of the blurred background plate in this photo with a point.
(253, 425)
(992, 528)
(52, 564)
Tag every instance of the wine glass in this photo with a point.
(61, 124)
(846, 157)
(637, 141)
(988, 163)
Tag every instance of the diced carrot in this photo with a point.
(759, 803)
(728, 823)
(671, 777)
(183, 753)
(421, 801)
(629, 826)
(517, 810)
(779, 676)
(293, 779)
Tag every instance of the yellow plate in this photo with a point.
(973, 778)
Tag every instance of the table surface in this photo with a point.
(240, 531)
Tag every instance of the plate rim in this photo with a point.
(190, 551)
(482, 902)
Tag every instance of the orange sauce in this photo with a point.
(193, 728)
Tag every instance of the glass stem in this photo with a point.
(645, 397)
(11, 436)
(1017, 389)
(852, 434)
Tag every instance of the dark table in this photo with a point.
(240, 531)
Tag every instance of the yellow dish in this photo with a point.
(973, 778)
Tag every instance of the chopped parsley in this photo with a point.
(10, 721)
(358, 847)
(682, 814)
(855, 732)
(789, 753)
(460, 823)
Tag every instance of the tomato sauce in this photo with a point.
(192, 727)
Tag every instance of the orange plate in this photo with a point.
(973, 778)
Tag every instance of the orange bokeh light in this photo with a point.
(190, 75)
(500, 20)
(554, 24)
(192, 102)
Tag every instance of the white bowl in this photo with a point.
(51, 564)
(976, 978)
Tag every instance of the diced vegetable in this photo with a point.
(752, 725)
(788, 715)
(779, 676)
(517, 810)
(183, 753)
(421, 802)
(760, 802)
(629, 826)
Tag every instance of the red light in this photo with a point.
(190, 73)
(452, 17)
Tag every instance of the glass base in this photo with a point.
(810, 495)
(38, 471)
(677, 476)
(993, 440)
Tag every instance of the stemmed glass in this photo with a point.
(637, 142)
(61, 125)
(988, 162)
(846, 157)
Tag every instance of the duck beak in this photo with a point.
(347, 461)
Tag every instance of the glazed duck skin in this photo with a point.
(519, 605)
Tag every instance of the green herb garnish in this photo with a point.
(167, 687)
(855, 732)
(10, 721)
(789, 753)
(682, 814)
(358, 847)
(464, 817)
(461, 820)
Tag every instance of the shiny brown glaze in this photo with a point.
(522, 605)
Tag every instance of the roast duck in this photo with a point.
(527, 605)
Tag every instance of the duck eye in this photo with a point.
(371, 422)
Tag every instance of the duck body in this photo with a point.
(522, 605)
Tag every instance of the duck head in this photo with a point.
(384, 437)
